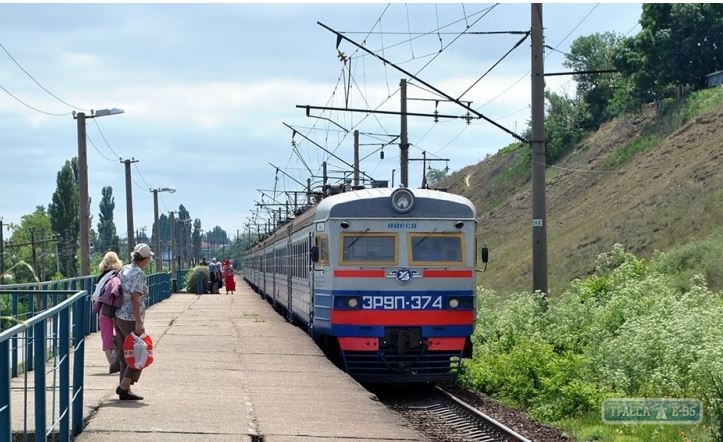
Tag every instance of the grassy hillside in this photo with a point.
(646, 182)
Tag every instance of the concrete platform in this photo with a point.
(229, 368)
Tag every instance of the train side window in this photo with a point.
(322, 242)
(363, 248)
(440, 249)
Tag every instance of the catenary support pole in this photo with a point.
(539, 216)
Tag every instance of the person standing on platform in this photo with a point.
(129, 317)
(228, 277)
(108, 266)
(214, 274)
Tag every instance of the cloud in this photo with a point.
(217, 104)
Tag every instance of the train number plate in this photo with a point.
(401, 302)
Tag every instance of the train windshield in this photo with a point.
(436, 248)
(366, 247)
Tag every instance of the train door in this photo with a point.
(262, 273)
(290, 258)
(310, 278)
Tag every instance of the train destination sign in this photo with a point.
(654, 411)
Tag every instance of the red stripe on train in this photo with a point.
(447, 273)
(339, 273)
(402, 317)
(372, 344)
(445, 344)
(359, 344)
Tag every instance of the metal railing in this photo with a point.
(44, 325)
(56, 334)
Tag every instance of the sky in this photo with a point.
(210, 95)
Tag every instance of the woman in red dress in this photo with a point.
(228, 280)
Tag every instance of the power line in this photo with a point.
(37, 82)
(148, 186)
(578, 24)
(95, 120)
(33, 107)
(90, 140)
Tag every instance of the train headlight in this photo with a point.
(453, 303)
(402, 200)
(352, 302)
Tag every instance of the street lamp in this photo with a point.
(84, 203)
(157, 229)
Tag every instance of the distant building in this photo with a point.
(714, 79)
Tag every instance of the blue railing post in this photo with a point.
(28, 359)
(79, 309)
(64, 395)
(39, 356)
(5, 430)
(14, 350)
(87, 284)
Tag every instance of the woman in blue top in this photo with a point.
(129, 317)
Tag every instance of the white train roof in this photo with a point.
(377, 203)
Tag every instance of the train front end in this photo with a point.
(394, 286)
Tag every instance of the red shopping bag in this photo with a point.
(138, 350)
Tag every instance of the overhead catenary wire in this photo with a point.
(504, 91)
(465, 106)
(390, 94)
(410, 36)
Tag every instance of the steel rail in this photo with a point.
(489, 420)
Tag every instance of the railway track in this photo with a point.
(445, 418)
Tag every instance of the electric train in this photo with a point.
(383, 279)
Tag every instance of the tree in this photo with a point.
(563, 125)
(434, 176)
(196, 239)
(678, 45)
(107, 234)
(63, 213)
(591, 53)
(217, 236)
(33, 243)
(183, 234)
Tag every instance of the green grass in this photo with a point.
(702, 101)
(591, 428)
(623, 154)
(698, 257)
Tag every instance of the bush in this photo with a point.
(192, 280)
(625, 331)
(699, 257)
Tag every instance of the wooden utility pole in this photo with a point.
(404, 144)
(539, 216)
(129, 205)
(83, 202)
(173, 245)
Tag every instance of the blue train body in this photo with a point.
(383, 279)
